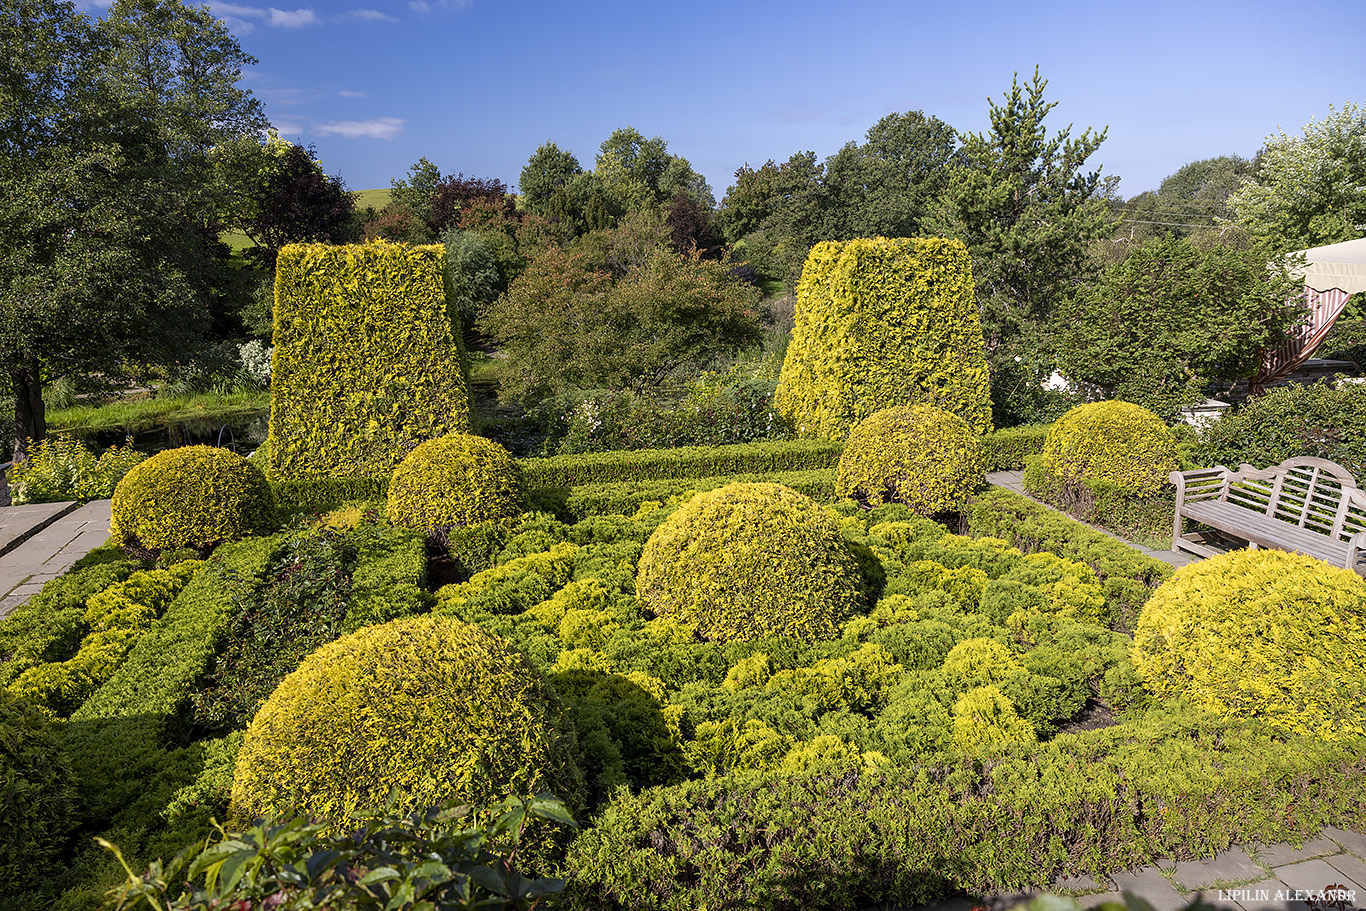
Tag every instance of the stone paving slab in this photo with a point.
(18, 523)
(1354, 868)
(1312, 875)
(1276, 855)
(1225, 868)
(51, 551)
(1352, 841)
(1078, 885)
(1152, 884)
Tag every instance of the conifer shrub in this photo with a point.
(918, 455)
(1261, 634)
(36, 793)
(750, 560)
(1124, 444)
(194, 496)
(366, 362)
(434, 707)
(454, 481)
(882, 323)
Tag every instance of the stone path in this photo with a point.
(42, 541)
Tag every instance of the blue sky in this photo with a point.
(476, 86)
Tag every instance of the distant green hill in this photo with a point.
(377, 198)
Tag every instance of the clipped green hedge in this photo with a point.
(50, 626)
(918, 455)
(191, 496)
(882, 323)
(684, 462)
(1007, 450)
(116, 617)
(1261, 634)
(431, 706)
(117, 740)
(1127, 576)
(366, 362)
(453, 481)
(624, 498)
(1085, 804)
(750, 560)
(322, 494)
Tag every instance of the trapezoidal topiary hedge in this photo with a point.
(882, 323)
(366, 363)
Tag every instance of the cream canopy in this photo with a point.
(1341, 266)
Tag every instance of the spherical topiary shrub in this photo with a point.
(455, 480)
(432, 706)
(1261, 634)
(35, 793)
(921, 456)
(750, 560)
(1113, 441)
(195, 496)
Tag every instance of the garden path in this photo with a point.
(41, 541)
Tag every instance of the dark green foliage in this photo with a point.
(294, 864)
(1189, 202)
(714, 409)
(1172, 319)
(107, 200)
(50, 625)
(1126, 576)
(296, 607)
(35, 794)
(1317, 420)
(579, 318)
(1027, 211)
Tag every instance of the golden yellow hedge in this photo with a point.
(366, 365)
(882, 323)
(1113, 441)
(1261, 634)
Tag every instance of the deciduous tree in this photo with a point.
(108, 235)
(1308, 190)
(1173, 318)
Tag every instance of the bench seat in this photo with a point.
(1305, 505)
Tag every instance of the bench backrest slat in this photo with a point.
(1312, 493)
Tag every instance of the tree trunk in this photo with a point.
(30, 421)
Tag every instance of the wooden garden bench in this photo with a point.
(1306, 505)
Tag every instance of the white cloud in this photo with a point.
(232, 9)
(422, 7)
(374, 128)
(347, 93)
(368, 15)
(288, 127)
(292, 19)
